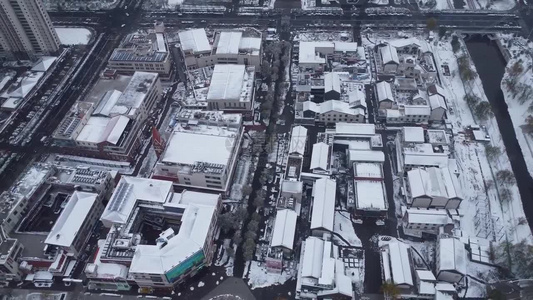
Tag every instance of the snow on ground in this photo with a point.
(148, 163)
(73, 35)
(259, 277)
(519, 102)
(225, 260)
(435, 4)
(173, 3)
(322, 35)
(481, 205)
(493, 4)
(343, 226)
(425, 249)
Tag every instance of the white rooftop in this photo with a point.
(333, 106)
(428, 216)
(426, 159)
(291, 186)
(355, 129)
(389, 54)
(366, 156)
(413, 134)
(332, 82)
(370, 195)
(284, 229)
(189, 241)
(368, 170)
(324, 191)
(384, 91)
(320, 156)
(433, 182)
(103, 129)
(130, 190)
(308, 54)
(400, 263)
(312, 260)
(71, 219)
(214, 146)
(452, 255)
(228, 42)
(227, 82)
(194, 40)
(298, 140)
(425, 275)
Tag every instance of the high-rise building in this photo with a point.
(26, 29)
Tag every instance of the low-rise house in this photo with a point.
(433, 188)
(397, 266)
(417, 222)
(323, 207)
(321, 273)
(451, 260)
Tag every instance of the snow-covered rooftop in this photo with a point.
(367, 170)
(388, 54)
(230, 82)
(284, 229)
(136, 90)
(194, 40)
(400, 263)
(370, 195)
(44, 63)
(433, 182)
(298, 140)
(332, 82)
(98, 269)
(190, 240)
(291, 186)
(71, 219)
(129, 191)
(426, 159)
(103, 129)
(320, 156)
(308, 52)
(425, 275)
(437, 101)
(452, 256)
(366, 156)
(312, 258)
(384, 91)
(333, 106)
(354, 129)
(324, 191)
(413, 134)
(428, 216)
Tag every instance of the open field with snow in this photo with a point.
(74, 35)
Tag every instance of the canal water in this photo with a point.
(490, 65)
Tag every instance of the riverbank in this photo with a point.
(488, 62)
(519, 102)
(484, 215)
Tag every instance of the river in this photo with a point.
(490, 66)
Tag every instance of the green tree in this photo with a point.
(431, 24)
(492, 152)
(505, 177)
(483, 110)
(471, 100)
(506, 195)
(248, 249)
(246, 190)
(390, 290)
(456, 45)
(495, 294)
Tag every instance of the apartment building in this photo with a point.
(26, 29)
(109, 122)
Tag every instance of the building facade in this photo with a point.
(26, 29)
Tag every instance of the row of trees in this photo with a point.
(481, 109)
